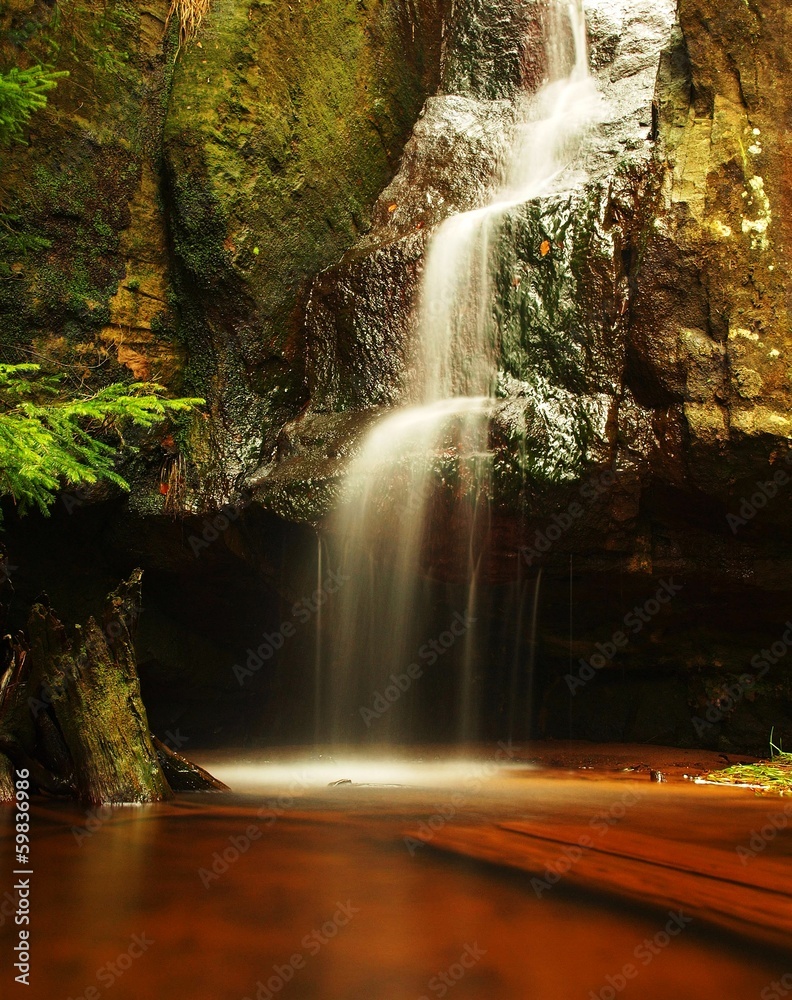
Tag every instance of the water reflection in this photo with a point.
(320, 898)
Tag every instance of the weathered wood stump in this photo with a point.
(71, 711)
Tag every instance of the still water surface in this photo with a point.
(322, 898)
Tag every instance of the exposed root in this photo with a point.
(190, 15)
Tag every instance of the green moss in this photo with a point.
(199, 229)
(66, 264)
(17, 243)
(282, 130)
(68, 192)
(286, 121)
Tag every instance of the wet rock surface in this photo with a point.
(262, 244)
(563, 263)
(283, 127)
(643, 321)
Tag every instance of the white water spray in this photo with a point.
(458, 338)
(420, 484)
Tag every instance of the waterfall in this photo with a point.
(458, 340)
(414, 531)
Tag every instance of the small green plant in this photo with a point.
(774, 775)
(23, 91)
(49, 438)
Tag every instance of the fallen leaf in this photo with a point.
(544, 249)
(392, 208)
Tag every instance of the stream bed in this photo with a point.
(319, 878)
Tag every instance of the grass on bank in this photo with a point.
(774, 775)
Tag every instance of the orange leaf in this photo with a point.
(392, 208)
(544, 249)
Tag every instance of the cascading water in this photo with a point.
(418, 509)
(458, 339)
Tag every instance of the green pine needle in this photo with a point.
(23, 91)
(48, 439)
(768, 776)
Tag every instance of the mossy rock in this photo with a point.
(285, 123)
(78, 200)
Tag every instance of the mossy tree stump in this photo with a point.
(71, 711)
(91, 684)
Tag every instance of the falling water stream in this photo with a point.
(308, 880)
(421, 482)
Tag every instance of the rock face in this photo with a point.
(283, 127)
(565, 262)
(166, 215)
(712, 313)
(249, 223)
(83, 248)
(643, 323)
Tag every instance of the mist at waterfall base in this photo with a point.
(406, 644)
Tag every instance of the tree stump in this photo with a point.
(182, 775)
(90, 682)
(72, 714)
